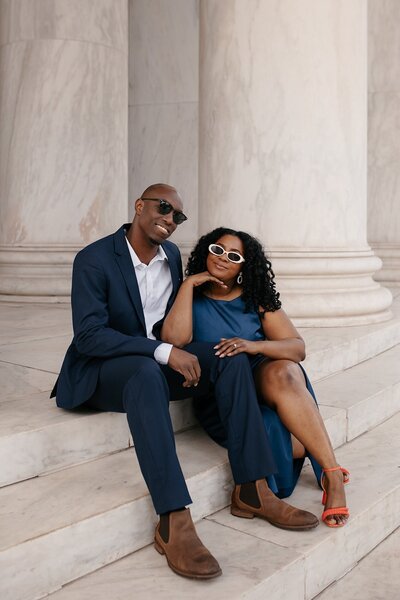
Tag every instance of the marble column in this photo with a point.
(384, 136)
(63, 137)
(163, 103)
(283, 134)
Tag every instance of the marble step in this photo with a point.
(260, 561)
(36, 437)
(36, 336)
(375, 577)
(368, 392)
(334, 349)
(63, 525)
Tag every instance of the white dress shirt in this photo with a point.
(155, 287)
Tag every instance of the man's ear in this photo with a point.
(139, 206)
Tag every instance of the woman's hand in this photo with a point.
(200, 278)
(234, 346)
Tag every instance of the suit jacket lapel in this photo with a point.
(124, 261)
(175, 276)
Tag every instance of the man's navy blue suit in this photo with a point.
(110, 365)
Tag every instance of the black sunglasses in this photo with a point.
(165, 208)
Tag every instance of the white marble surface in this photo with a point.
(383, 165)
(23, 323)
(63, 143)
(43, 354)
(19, 381)
(383, 135)
(94, 21)
(55, 159)
(383, 45)
(37, 437)
(164, 51)
(250, 569)
(93, 516)
(109, 482)
(163, 103)
(369, 392)
(376, 577)
(163, 140)
(330, 350)
(283, 121)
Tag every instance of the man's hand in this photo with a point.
(186, 364)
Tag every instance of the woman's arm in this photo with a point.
(177, 328)
(283, 341)
(282, 338)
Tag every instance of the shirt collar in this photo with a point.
(161, 255)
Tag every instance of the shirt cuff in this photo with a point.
(162, 352)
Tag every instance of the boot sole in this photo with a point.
(161, 550)
(237, 512)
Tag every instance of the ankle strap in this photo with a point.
(332, 469)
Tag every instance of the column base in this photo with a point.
(331, 288)
(36, 273)
(390, 255)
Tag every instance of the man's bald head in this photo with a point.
(158, 187)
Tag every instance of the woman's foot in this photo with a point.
(334, 496)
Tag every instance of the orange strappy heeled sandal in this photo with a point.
(340, 510)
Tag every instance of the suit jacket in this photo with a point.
(107, 314)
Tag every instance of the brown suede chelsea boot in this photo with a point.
(185, 553)
(269, 507)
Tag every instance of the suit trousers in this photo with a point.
(140, 387)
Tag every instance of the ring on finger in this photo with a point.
(235, 346)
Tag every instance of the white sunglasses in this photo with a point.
(233, 257)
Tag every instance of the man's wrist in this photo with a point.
(162, 352)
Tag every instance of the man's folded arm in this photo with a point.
(92, 334)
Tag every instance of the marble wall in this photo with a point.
(63, 139)
(163, 103)
(384, 135)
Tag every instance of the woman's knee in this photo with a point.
(281, 373)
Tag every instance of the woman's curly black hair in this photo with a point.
(258, 276)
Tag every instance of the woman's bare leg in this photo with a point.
(298, 449)
(281, 385)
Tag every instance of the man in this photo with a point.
(122, 287)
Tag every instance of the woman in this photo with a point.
(229, 298)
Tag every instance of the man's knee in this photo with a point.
(148, 367)
(146, 372)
